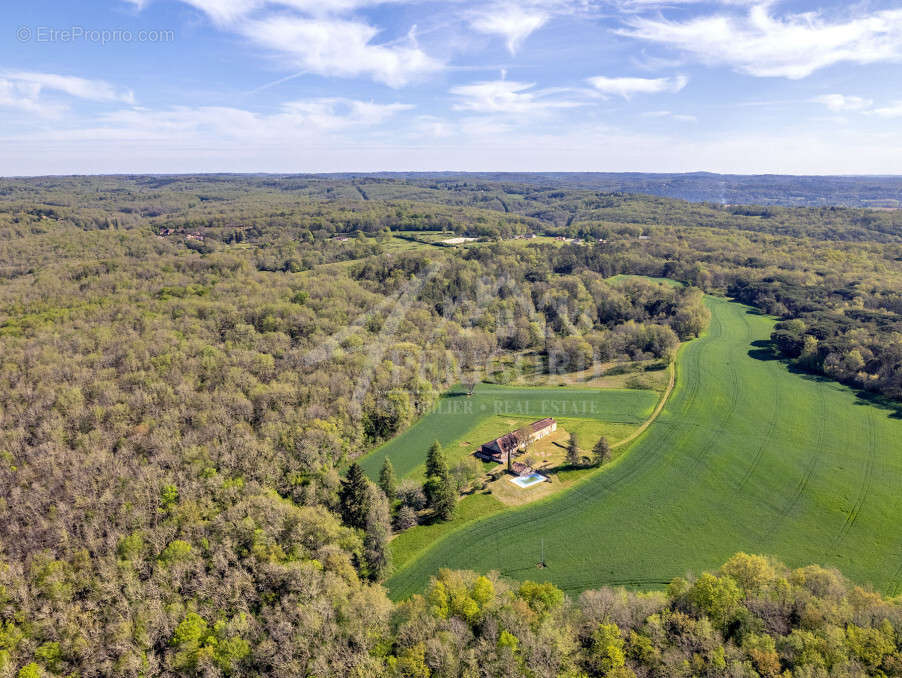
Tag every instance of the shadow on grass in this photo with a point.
(881, 402)
(455, 394)
(862, 397)
(564, 468)
(763, 350)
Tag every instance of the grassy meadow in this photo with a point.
(461, 423)
(746, 455)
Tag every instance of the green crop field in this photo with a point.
(745, 456)
(457, 414)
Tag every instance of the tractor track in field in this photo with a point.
(578, 497)
(813, 460)
(705, 418)
(734, 387)
(765, 441)
(691, 382)
(865, 488)
(896, 580)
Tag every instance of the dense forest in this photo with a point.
(189, 365)
(734, 189)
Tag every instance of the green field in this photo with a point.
(745, 456)
(457, 415)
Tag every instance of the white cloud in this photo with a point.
(340, 47)
(322, 7)
(644, 5)
(305, 119)
(228, 11)
(679, 117)
(25, 97)
(27, 91)
(794, 46)
(317, 36)
(513, 22)
(627, 87)
(840, 102)
(507, 97)
(894, 110)
(82, 88)
(334, 114)
(225, 11)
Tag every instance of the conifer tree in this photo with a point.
(441, 496)
(387, 480)
(601, 453)
(353, 497)
(435, 461)
(376, 553)
(573, 455)
(440, 490)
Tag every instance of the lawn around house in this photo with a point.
(746, 455)
(462, 423)
(549, 457)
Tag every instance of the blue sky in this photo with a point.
(364, 85)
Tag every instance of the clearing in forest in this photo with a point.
(746, 455)
(461, 423)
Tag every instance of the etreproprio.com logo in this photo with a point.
(99, 36)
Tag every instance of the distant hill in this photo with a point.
(733, 189)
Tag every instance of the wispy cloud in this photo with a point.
(894, 110)
(228, 11)
(24, 97)
(81, 88)
(27, 91)
(679, 117)
(840, 102)
(793, 46)
(511, 21)
(645, 5)
(628, 87)
(340, 47)
(509, 97)
(302, 120)
(322, 37)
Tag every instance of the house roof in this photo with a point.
(537, 426)
(511, 441)
(506, 443)
(520, 468)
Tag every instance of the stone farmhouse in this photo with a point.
(511, 444)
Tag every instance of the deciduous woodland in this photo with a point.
(191, 366)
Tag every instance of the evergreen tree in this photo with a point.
(441, 496)
(376, 553)
(435, 461)
(601, 453)
(387, 480)
(573, 454)
(353, 497)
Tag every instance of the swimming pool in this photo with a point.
(528, 481)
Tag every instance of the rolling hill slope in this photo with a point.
(745, 456)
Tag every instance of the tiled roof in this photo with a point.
(537, 426)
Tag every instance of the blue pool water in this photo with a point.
(528, 481)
